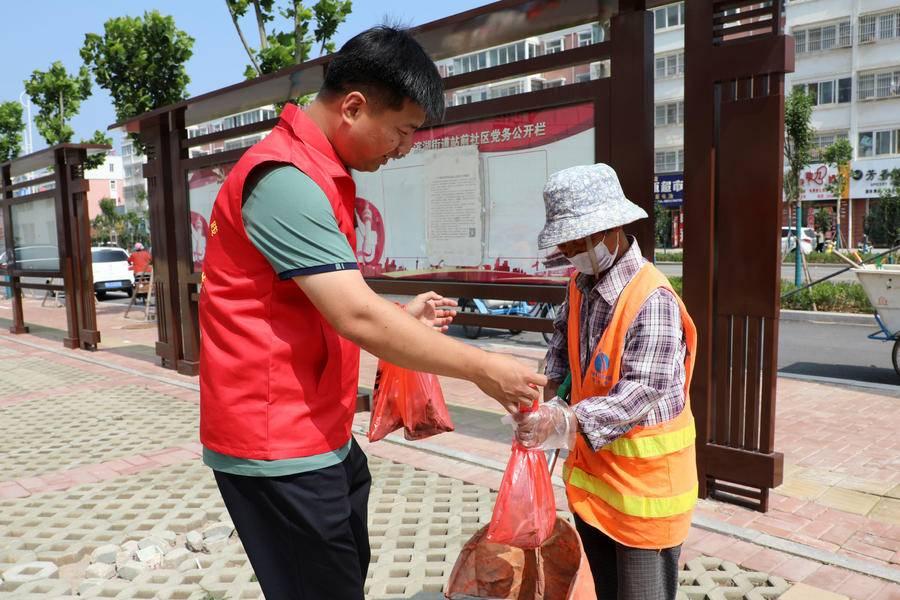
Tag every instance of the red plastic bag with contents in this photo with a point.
(525, 511)
(408, 399)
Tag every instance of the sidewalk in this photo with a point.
(103, 450)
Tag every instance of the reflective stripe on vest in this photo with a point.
(653, 445)
(635, 506)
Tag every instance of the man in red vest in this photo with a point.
(284, 311)
(629, 344)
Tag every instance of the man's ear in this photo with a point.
(351, 106)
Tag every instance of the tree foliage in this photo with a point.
(95, 160)
(58, 97)
(123, 228)
(294, 44)
(140, 62)
(883, 220)
(11, 127)
(798, 133)
(839, 155)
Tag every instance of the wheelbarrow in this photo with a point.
(557, 570)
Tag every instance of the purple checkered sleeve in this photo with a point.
(557, 351)
(651, 386)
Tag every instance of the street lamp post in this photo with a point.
(29, 140)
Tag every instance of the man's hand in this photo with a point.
(509, 382)
(553, 425)
(431, 309)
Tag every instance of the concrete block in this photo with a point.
(153, 541)
(131, 570)
(149, 555)
(100, 571)
(174, 558)
(30, 571)
(91, 587)
(105, 554)
(218, 531)
(194, 541)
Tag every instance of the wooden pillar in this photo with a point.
(78, 278)
(61, 167)
(189, 364)
(18, 317)
(734, 128)
(631, 105)
(155, 134)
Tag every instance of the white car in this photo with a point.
(789, 237)
(111, 271)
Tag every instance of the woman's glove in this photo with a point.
(553, 425)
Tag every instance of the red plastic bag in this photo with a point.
(525, 511)
(408, 399)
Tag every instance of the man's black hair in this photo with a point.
(389, 63)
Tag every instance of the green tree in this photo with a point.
(822, 220)
(293, 45)
(839, 155)
(883, 220)
(95, 160)
(663, 222)
(798, 134)
(106, 223)
(58, 97)
(140, 62)
(11, 127)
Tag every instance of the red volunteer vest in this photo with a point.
(276, 380)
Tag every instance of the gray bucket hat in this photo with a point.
(580, 201)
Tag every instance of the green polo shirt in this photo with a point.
(289, 219)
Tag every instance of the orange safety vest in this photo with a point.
(640, 489)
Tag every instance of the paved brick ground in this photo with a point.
(840, 492)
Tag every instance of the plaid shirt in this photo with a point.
(651, 385)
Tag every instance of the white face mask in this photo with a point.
(597, 258)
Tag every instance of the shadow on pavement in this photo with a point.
(870, 374)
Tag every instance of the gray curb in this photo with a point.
(809, 316)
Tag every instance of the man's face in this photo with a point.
(370, 134)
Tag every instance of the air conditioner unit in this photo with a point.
(599, 70)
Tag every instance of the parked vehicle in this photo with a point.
(789, 239)
(111, 271)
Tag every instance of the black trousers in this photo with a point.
(623, 573)
(305, 534)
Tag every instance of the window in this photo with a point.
(867, 29)
(846, 35)
(112, 187)
(554, 46)
(820, 141)
(823, 37)
(878, 143)
(112, 168)
(668, 161)
(884, 26)
(582, 77)
(488, 58)
(669, 16)
(585, 38)
(669, 66)
(881, 84)
(671, 113)
(506, 90)
(834, 91)
(844, 90)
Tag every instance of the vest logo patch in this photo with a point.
(213, 228)
(600, 373)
